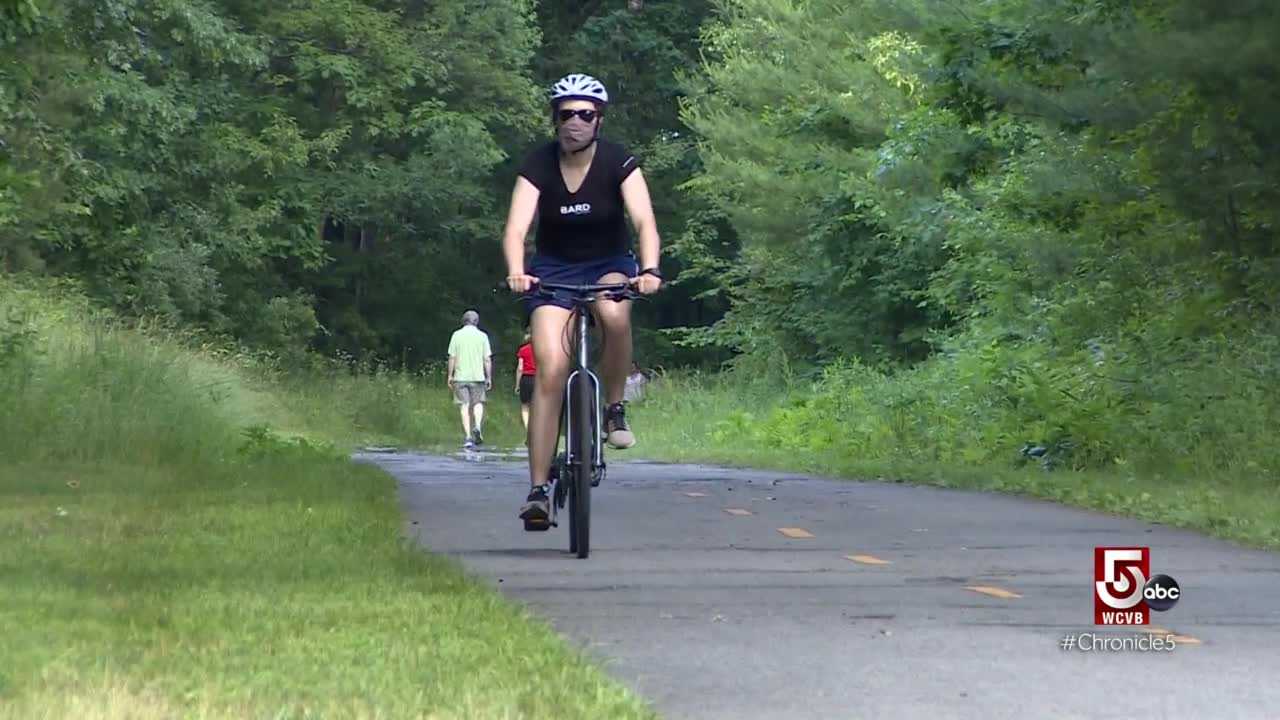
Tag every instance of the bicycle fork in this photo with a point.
(582, 371)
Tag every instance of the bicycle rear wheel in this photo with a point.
(584, 439)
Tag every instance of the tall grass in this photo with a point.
(377, 405)
(76, 385)
(77, 382)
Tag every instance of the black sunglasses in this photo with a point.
(586, 115)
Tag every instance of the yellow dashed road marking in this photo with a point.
(1184, 639)
(993, 591)
(867, 559)
(795, 532)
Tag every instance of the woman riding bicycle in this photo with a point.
(579, 185)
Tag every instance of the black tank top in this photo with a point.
(591, 223)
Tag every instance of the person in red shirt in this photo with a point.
(525, 370)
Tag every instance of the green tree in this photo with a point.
(185, 158)
(801, 112)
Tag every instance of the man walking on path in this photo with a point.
(470, 375)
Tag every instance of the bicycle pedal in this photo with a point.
(537, 526)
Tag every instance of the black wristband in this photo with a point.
(651, 271)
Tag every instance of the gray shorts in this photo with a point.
(468, 393)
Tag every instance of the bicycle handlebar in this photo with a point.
(585, 289)
(622, 289)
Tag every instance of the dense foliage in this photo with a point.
(1069, 208)
(231, 163)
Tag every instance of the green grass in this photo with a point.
(181, 535)
(270, 588)
(717, 420)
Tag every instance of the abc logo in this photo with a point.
(1161, 593)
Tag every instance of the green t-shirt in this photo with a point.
(470, 346)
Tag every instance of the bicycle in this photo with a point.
(581, 466)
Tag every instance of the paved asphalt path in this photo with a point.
(713, 614)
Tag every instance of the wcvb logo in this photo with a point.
(1124, 593)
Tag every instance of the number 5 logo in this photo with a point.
(1119, 577)
(1124, 570)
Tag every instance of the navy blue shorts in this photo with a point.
(554, 270)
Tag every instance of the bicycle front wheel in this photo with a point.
(584, 439)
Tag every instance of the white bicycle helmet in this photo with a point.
(577, 86)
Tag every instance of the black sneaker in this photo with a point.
(536, 511)
(615, 426)
(477, 436)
